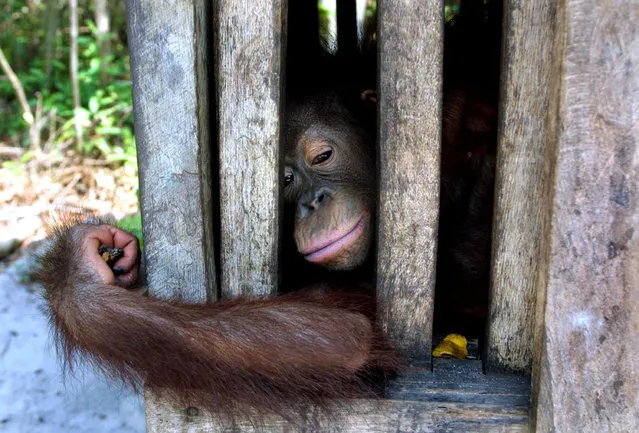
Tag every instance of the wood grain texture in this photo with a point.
(248, 75)
(170, 95)
(368, 416)
(461, 381)
(587, 378)
(456, 398)
(410, 92)
(521, 183)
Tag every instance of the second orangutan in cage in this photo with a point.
(307, 347)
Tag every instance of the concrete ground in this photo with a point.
(34, 396)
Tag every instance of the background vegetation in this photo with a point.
(66, 117)
(38, 44)
(54, 96)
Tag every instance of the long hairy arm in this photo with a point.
(271, 355)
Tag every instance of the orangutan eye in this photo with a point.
(322, 157)
(288, 179)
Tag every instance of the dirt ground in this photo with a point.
(35, 396)
(51, 187)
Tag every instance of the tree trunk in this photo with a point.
(73, 66)
(34, 122)
(102, 22)
(52, 13)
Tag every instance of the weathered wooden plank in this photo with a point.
(367, 416)
(422, 401)
(521, 184)
(170, 73)
(461, 381)
(410, 67)
(170, 99)
(248, 75)
(587, 377)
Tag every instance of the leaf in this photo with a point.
(133, 224)
(28, 117)
(26, 157)
(453, 345)
(82, 114)
(94, 104)
(109, 130)
(102, 145)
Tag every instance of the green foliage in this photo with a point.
(451, 9)
(17, 168)
(106, 113)
(325, 15)
(133, 224)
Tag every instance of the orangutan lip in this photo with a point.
(320, 254)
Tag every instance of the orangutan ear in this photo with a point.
(369, 96)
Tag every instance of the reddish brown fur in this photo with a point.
(273, 355)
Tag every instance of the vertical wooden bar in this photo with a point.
(586, 377)
(410, 94)
(521, 184)
(170, 72)
(169, 69)
(249, 67)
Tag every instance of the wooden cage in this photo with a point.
(564, 303)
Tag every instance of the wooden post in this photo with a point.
(521, 184)
(586, 370)
(249, 78)
(410, 95)
(170, 74)
(357, 416)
